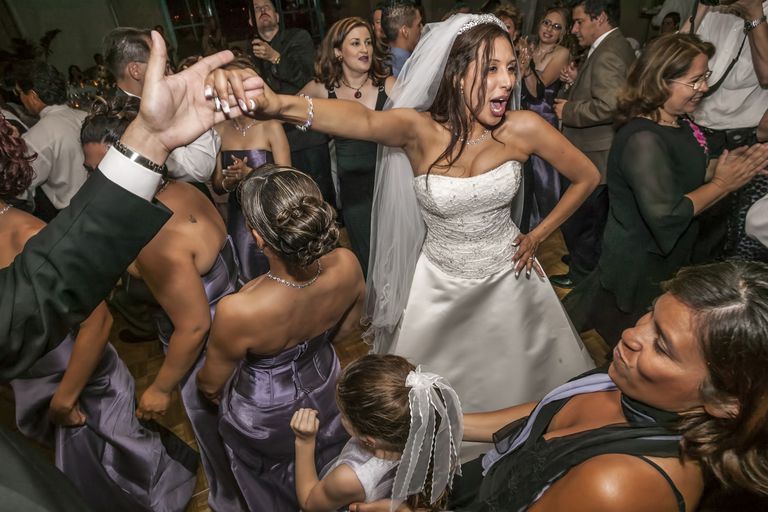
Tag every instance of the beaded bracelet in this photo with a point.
(310, 114)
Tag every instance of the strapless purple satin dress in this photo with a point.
(223, 494)
(256, 412)
(547, 184)
(253, 263)
(117, 464)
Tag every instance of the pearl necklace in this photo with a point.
(242, 130)
(358, 94)
(481, 138)
(285, 282)
(5, 209)
(664, 122)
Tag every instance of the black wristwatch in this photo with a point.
(140, 159)
(751, 25)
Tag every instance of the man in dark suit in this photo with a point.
(587, 117)
(71, 265)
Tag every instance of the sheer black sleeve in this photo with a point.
(649, 171)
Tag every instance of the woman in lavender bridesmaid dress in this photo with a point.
(541, 65)
(79, 398)
(270, 352)
(246, 144)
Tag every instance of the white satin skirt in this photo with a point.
(499, 340)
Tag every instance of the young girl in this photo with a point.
(385, 457)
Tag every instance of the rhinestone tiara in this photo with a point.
(481, 19)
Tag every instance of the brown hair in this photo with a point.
(372, 395)
(729, 302)
(476, 44)
(566, 15)
(286, 208)
(15, 164)
(666, 58)
(328, 68)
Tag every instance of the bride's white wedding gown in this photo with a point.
(498, 339)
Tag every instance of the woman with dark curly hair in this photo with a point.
(79, 397)
(350, 66)
(275, 336)
(656, 186)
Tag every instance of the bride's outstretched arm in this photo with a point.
(349, 119)
(537, 136)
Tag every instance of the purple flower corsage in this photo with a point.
(700, 138)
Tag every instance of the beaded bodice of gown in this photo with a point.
(469, 227)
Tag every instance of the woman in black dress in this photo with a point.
(350, 66)
(656, 186)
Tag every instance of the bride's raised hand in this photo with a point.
(236, 91)
(525, 256)
(173, 110)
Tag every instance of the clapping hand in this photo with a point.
(234, 173)
(568, 73)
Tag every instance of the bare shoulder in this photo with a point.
(521, 122)
(315, 89)
(620, 482)
(343, 485)
(389, 83)
(344, 262)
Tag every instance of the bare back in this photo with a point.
(16, 228)
(196, 230)
(273, 317)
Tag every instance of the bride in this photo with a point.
(450, 285)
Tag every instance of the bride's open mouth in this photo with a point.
(499, 106)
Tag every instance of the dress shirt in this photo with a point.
(681, 7)
(131, 176)
(399, 56)
(598, 41)
(58, 167)
(738, 101)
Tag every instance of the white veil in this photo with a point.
(397, 227)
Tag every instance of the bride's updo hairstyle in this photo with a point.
(287, 210)
(449, 105)
(729, 302)
(15, 164)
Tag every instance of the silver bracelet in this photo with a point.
(140, 159)
(310, 114)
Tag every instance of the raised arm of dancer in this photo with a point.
(175, 283)
(343, 118)
(537, 136)
(86, 354)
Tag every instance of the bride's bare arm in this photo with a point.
(536, 136)
(350, 119)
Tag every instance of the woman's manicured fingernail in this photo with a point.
(253, 104)
(208, 92)
(242, 105)
(217, 103)
(225, 106)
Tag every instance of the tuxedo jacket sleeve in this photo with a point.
(69, 267)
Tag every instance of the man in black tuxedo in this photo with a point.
(71, 265)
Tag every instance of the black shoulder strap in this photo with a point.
(675, 490)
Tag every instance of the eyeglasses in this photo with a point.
(555, 26)
(698, 84)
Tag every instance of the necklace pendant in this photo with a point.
(358, 94)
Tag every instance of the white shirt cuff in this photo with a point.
(129, 175)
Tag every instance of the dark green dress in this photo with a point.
(651, 230)
(356, 162)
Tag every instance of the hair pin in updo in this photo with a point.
(481, 19)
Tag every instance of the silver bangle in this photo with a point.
(140, 159)
(310, 114)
